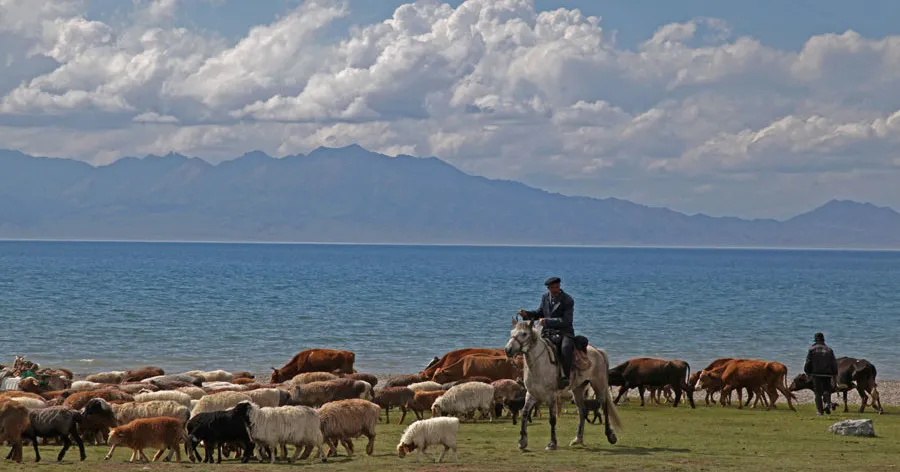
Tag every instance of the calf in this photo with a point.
(760, 376)
(646, 372)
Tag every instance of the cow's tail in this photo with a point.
(687, 379)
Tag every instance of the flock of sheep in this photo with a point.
(233, 413)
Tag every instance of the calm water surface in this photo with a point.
(103, 306)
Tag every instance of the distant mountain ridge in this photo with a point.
(351, 195)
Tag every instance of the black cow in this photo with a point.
(643, 372)
(852, 373)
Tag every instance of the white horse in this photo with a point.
(541, 382)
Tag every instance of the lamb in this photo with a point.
(162, 432)
(344, 420)
(219, 402)
(319, 393)
(216, 428)
(404, 380)
(427, 386)
(422, 402)
(390, 397)
(310, 377)
(14, 421)
(271, 397)
(115, 377)
(371, 379)
(128, 412)
(465, 399)
(97, 419)
(195, 393)
(54, 421)
(423, 433)
(137, 375)
(171, 395)
(272, 426)
(77, 401)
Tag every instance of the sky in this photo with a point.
(751, 109)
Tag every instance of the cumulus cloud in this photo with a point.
(496, 87)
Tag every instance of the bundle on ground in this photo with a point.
(344, 420)
(163, 433)
(465, 399)
(423, 433)
(289, 425)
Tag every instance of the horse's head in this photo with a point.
(521, 338)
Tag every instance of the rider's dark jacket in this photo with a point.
(557, 310)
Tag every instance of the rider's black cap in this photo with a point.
(551, 281)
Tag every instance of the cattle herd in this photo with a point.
(318, 401)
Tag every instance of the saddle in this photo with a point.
(580, 360)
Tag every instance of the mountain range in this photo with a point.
(352, 195)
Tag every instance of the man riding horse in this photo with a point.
(555, 314)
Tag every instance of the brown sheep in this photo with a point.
(13, 423)
(344, 420)
(162, 432)
(77, 401)
(404, 380)
(136, 375)
(395, 396)
(17, 394)
(423, 400)
(319, 393)
(373, 380)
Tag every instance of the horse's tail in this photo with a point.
(612, 414)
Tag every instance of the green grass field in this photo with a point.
(654, 438)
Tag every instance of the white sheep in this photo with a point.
(170, 395)
(85, 385)
(269, 396)
(223, 385)
(293, 425)
(464, 399)
(114, 377)
(212, 376)
(423, 433)
(128, 412)
(195, 393)
(219, 402)
(427, 386)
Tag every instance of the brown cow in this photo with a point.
(477, 365)
(315, 360)
(759, 376)
(453, 357)
(714, 385)
(643, 372)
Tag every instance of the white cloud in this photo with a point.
(493, 86)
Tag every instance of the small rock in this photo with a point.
(854, 428)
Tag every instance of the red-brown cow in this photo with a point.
(758, 376)
(315, 360)
(476, 365)
(453, 357)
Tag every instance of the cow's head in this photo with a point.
(707, 380)
(442, 376)
(801, 382)
(277, 376)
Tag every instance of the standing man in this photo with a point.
(821, 367)
(556, 312)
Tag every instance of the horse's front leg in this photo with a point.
(578, 396)
(554, 410)
(526, 414)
